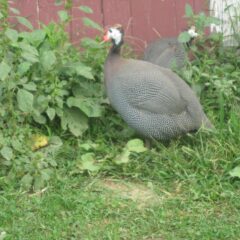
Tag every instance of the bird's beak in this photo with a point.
(106, 38)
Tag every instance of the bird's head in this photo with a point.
(114, 34)
(192, 32)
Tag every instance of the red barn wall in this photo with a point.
(145, 20)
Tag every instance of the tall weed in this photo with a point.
(45, 84)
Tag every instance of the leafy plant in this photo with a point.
(48, 78)
(213, 73)
(233, 13)
(201, 22)
(45, 82)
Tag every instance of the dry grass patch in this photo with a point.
(142, 195)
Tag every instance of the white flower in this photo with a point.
(192, 32)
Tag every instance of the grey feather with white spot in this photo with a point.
(152, 100)
(166, 52)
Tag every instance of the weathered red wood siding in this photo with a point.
(144, 20)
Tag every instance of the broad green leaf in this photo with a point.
(41, 104)
(7, 153)
(63, 15)
(136, 145)
(4, 70)
(88, 145)
(59, 111)
(30, 57)
(48, 59)
(36, 37)
(3, 235)
(51, 113)
(17, 145)
(2, 139)
(87, 105)
(91, 43)
(25, 22)
(38, 182)
(188, 10)
(25, 100)
(88, 162)
(90, 23)
(75, 120)
(56, 141)
(46, 174)
(235, 172)
(87, 89)
(184, 37)
(39, 118)
(123, 157)
(86, 9)
(11, 84)
(23, 67)
(14, 10)
(12, 34)
(31, 86)
(84, 71)
(28, 48)
(1, 15)
(29, 52)
(26, 181)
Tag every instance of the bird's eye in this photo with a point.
(110, 30)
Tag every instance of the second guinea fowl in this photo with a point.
(169, 52)
(152, 100)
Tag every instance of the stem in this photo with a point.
(4, 11)
(221, 106)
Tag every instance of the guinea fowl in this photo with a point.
(151, 99)
(169, 52)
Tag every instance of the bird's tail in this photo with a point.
(207, 123)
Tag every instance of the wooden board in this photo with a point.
(28, 9)
(180, 13)
(48, 11)
(119, 12)
(202, 5)
(77, 28)
(227, 18)
(153, 19)
(144, 20)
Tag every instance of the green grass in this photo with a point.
(194, 196)
(77, 208)
(177, 190)
(197, 199)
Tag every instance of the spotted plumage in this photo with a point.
(166, 53)
(169, 52)
(152, 100)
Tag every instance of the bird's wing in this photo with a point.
(151, 91)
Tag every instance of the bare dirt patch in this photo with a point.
(144, 196)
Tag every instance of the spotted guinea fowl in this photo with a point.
(152, 100)
(168, 52)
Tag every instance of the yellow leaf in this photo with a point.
(39, 141)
